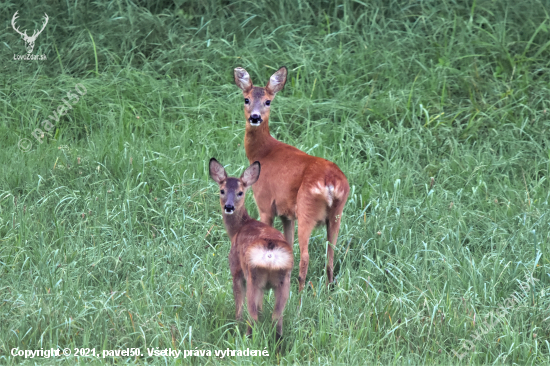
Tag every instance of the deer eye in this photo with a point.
(246, 101)
(240, 194)
(222, 191)
(267, 102)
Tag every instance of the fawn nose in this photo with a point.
(229, 209)
(255, 119)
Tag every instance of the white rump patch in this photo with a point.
(276, 258)
(338, 192)
(330, 194)
(327, 191)
(318, 189)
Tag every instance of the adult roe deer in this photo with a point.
(259, 253)
(293, 185)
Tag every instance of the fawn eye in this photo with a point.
(222, 191)
(246, 100)
(240, 194)
(267, 102)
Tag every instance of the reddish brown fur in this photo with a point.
(293, 184)
(247, 235)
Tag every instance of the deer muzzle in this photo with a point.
(255, 119)
(229, 209)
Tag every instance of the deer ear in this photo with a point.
(251, 174)
(242, 79)
(277, 81)
(217, 172)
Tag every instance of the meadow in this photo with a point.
(111, 234)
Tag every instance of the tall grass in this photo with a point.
(437, 111)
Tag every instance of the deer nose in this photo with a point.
(255, 118)
(229, 209)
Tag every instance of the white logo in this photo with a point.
(29, 41)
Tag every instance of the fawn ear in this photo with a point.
(217, 172)
(242, 79)
(277, 81)
(251, 174)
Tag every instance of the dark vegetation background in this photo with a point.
(110, 230)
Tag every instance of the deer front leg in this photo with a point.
(267, 218)
(288, 229)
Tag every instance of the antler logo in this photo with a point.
(29, 41)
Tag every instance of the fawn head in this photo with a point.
(256, 99)
(233, 190)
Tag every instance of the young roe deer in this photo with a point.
(259, 253)
(293, 185)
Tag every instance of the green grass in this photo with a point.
(110, 230)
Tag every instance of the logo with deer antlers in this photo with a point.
(29, 41)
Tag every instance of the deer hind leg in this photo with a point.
(282, 291)
(333, 226)
(251, 295)
(238, 294)
(288, 229)
(260, 299)
(334, 218)
(254, 291)
(305, 227)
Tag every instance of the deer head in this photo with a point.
(29, 41)
(232, 190)
(256, 99)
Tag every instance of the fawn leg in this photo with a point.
(238, 294)
(252, 295)
(282, 291)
